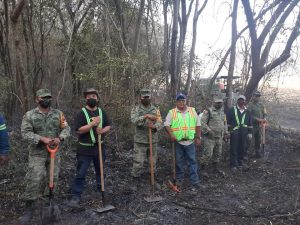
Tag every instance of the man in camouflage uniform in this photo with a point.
(40, 127)
(214, 129)
(144, 116)
(258, 114)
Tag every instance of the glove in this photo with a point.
(249, 137)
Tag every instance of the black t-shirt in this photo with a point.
(81, 121)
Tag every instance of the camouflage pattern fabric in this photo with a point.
(141, 138)
(141, 130)
(140, 156)
(257, 111)
(36, 124)
(212, 119)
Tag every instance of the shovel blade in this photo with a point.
(104, 208)
(50, 214)
(153, 199)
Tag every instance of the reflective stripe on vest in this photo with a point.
(88, 120)
(2, 127)
(184, 128)
(239, 124)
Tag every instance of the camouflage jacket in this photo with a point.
(215, 120)
(36, 124)
(141, 129)
(257, 111)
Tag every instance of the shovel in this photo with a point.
(172, 185)
(105, 207)
(152, 198)
(51, 213)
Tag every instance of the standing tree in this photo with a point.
(261, 45)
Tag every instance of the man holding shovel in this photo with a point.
(183, 127)
(144, 116)
(90, 122)
(41, 127)
(258, 113)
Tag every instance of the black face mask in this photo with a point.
(91, 102)
(218, 106)
(146, 101)
(45, 103)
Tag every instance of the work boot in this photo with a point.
(25, 219)
(74, 202)
(258, 154)
(217, 170)
(203, 171)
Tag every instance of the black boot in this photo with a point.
(217, 170)
(25, 219)
(203, 171)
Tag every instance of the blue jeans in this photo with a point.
(83, 163)
(186, 153)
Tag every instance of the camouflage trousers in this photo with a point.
(37, 177)
(257, 132)
(212, 150)
(141, 156)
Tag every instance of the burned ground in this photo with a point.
(267, 193)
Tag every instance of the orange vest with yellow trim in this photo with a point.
(184, 128)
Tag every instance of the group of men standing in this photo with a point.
(45, 126)
(183, 125)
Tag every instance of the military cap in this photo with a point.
(180, 96)
(145, 92)
(43, 93)
(90, 91)
(257, 93)
(242, 97)
(218, 99)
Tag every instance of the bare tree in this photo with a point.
(194, 39)
(261, 46)
(173, 71)
(232, 53)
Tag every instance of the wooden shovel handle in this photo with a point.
(52, 152)
(101, 163)
(151, 157)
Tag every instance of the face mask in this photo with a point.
(146, 101)
(218, 106)
(45, 103)
(91, 102)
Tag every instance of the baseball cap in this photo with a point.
(217, 99)
(242, 97)
(145, 92)
(180, 96)
(43, 93)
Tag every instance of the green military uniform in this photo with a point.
(257, 111)
(36, 124)
(212, 120)
(141, 137)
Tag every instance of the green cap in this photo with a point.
(90, 91)
(145, 92)
(217, 99)
(43, 93)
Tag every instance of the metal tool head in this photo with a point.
(104, 209)
(50, 214)
(173, 187)
(153, 199)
